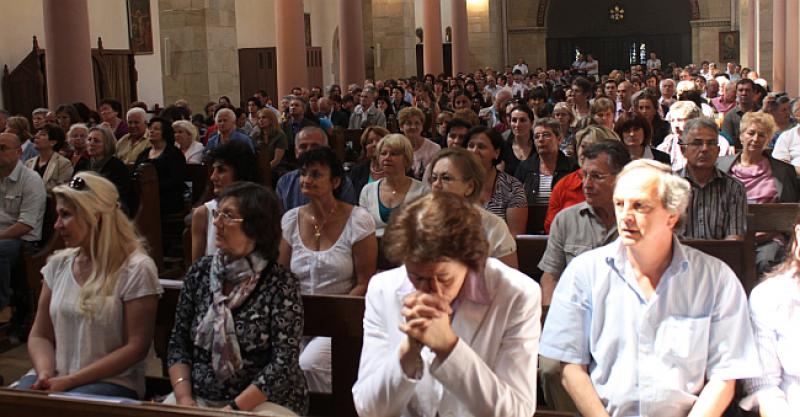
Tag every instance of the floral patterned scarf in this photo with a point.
(216, 331)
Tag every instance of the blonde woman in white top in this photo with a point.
(395, 155)
(94, 324)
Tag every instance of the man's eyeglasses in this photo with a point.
(226, 217)
(4, 148)
(701, 143)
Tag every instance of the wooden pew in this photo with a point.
(774, 217)
(353, 137)
(739, 255)
(18, 403)
(536, 215)
(337, 317)
(148, 216)
(530, 249)
(197, 175)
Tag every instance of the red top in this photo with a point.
(566, 193)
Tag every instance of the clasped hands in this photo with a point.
(427, 323)
(48, 381)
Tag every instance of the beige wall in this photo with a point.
(255, 27)
(108, 19)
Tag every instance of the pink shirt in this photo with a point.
(758, 182)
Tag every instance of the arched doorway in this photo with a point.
(644, 26)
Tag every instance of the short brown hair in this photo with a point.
(439, 226)
(409, 112)
(469, 165)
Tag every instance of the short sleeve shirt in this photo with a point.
(330, 271)
(81, 341)
(508, 193)
(651, 356)
(23, 200)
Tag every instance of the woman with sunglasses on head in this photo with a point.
(97, 307)
(239, 318)
(330, 245)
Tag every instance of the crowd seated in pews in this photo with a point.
(517, 157)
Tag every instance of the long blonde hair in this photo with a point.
(112, 237)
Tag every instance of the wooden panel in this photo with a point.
(16, 403)
(257, 71)
(536, 215)
(739, 255)
(314, 65)
(777, 217)
(530, 249)
(24, 87)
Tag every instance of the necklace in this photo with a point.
(319, 226)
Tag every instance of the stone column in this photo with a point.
(290, 48)
(460, 36)
(752, 34)
(792, 48)
(778, 45)
(351, 42)
(432, 37)
(200, 50)
(70, 77)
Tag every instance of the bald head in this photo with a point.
(11, 139)
(309, 138)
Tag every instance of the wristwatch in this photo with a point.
(234, 406)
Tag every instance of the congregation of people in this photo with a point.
(436, 176)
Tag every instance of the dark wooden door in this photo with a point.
(258, 71)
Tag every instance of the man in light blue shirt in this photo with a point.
(645, 326)
(288, 188)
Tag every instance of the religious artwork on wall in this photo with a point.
(140, 29)
(729, 46)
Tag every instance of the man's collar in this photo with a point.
(16, 172)
(617, 259)
(685, 173)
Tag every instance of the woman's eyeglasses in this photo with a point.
(226, 217)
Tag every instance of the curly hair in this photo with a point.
(439, 226)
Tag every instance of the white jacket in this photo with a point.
(490, 372)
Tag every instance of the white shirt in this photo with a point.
(423, 156)
(329, 271)
(193, 155)
(501, 242)
(775, 312)
(490, 372)
(671, 146)
(651, 357)
(211, 230)
(787, 147)
(80, 341)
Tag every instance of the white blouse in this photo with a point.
(193, 155)
(775, 313)
(329, 271)
(80, 341)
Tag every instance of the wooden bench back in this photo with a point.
(530, 249)
(739, 255)
(148, 216)
(197, 175)
(16, 403)
(536, 215)
(773, 217)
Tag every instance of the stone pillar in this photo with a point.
(778, 45)
(200, 50)
(290, 46)
(394, 53)
(460, 36)
(752, 34)
(432, 37)
(792, 48)
(70, 77)
(351, 42)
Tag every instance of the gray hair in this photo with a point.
(310, 130)
(661, 84)
(40, 110)
(673, 190)
(109, 141)
(78, 126)
(699, 123)
(136, 110)
(687, 109)
(225, 110)
(796, 105)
